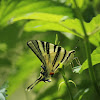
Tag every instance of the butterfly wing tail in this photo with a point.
(32, 85)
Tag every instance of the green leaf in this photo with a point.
(84, 92)
(46, 21)
(95, 30)
(80, 4)
(12, 9)
(93, 26)
(79, 95)
(48, 14)
(95, 59)
(70, 81)
(54, 24)
(95, 39)
(40, 16)
(60, 85)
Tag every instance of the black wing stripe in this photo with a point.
(57, 67)
(47, 47)
(35, 52)
(70, 54)
(38, 48)
(61, 60)
(35, 42)
(43, 45)
(56, 56)
(55, 47)
(63, 56)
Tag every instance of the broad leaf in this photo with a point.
(45, 21)
(95, 59)
(9, 10)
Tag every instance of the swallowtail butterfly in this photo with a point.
(51, 57)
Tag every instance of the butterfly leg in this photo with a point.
(72, 64)
(77, 60)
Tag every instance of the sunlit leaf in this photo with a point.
(18, 8)
(70, 81)
(60, 85)
(40, 16)
(45, 21)
(80, 4)
(95, 59)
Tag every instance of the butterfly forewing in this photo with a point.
(34, 45)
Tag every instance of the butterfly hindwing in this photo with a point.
(59, 58)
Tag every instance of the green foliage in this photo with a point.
(44, 22)
(21, 21)
(95, 59)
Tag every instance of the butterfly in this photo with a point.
(51, 57)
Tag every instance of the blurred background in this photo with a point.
(19, 67)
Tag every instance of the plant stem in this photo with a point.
(66, 81)
(88, 51)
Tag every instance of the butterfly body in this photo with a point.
(51, 57)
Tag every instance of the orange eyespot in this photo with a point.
(51, 73)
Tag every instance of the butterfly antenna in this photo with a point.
(76, 44)
(33, 84)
